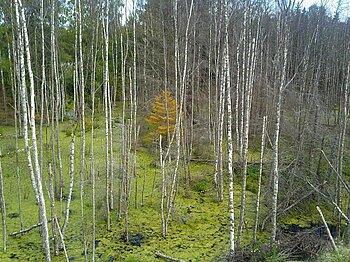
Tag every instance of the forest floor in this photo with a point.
(198, 230)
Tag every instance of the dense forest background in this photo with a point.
(230, 114)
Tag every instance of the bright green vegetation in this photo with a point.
(198, 229)
(342, 255)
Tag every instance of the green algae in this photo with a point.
(199, 225)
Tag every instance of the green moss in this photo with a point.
(308, 216)
(198, 227)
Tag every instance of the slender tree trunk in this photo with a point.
(71, 182)
(257, 208)
(248, 67)
(42, 207)
(16, 113)
(123, 137)
(92, 168)
(217, 45)
(171, 196)
(220, 133)
(282, 32)
(56, 108)
(3, 89)
(82, 121)
(134, 99)
(343, 136)
(166, 86)
(43, 84)
(209, 85)
(107, 120)
(3, 208)
(23, 96)
(229, 134)
(53, 211)
(163, 197)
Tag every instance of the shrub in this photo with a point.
(252, 187)
(342, 255)
(200, 184)
(275, 256)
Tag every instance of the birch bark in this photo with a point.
(282, 34)
(229, 134)
(3, 208)
(40, 197)
(106, 103)
(257, 208)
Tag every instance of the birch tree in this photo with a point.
(78, 16)
(92, 162)
(106, 103)
(171, 197)
(249, 60)
(257, 208)
(71, 183)
(3, 207)
(24, 45)
(229, 132)
(280, 85)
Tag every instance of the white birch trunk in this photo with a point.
(123, 137)
(221, 126)
(246, 96)
(43, 83)
(257, 208)
(16, 109)
(3, 208)
(275, 148)
(51, 195)
(106, 103)
(134, 99)
(23, 96)
(71, 182)
(171, 198)
(229, 135)
(42, 207)
(82, 120)
(345, 124)
(92, 168)
(163, 187)
(209, 86)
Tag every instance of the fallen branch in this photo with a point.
(28, 229)
(327, 228)
(315, 189)
(335, 204)
(62, 240)
(168, 258)
(235, 163)
(302, 198)
(346, 185)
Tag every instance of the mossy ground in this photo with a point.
(198, 230)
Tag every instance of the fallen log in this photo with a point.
(168, 258)
(28, 229)
(327, 228)
(235, 163)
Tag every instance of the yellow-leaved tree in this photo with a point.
(162, 119)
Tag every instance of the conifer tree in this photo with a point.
(162, 118)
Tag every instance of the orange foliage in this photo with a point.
(163, 116)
